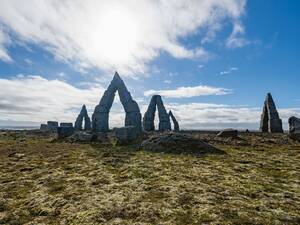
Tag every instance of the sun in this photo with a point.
(116, 36)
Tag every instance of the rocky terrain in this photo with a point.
(45, 181)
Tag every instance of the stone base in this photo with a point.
(63, 132)
(125, 135)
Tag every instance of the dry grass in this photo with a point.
(45, 182)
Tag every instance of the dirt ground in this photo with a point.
(43, 181)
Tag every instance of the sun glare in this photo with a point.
(118, 36)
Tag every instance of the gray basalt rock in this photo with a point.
(148, 120)
(52, 125)
(270, 121)
(66, 125)
(125, 135)
(164, 118)
(44, 127)
(178, 143)
(65, 131)
(228, 133)
(294, 128)
(175, 123)
(83, 115)
(101, 113)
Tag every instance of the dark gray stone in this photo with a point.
(44, 127)
(228, 133)
(178, 143)
(125, 135)
(270, 121)
(164, 118)
(65, 131)
(66, 124)
(294, 128)
(52, 125)
(175, 123)
(101, 114)
(83, 115)
(81, 136)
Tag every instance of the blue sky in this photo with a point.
(213, 62)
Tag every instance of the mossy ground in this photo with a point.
(46, 182)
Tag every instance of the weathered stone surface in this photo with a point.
(65, 131)
(228, 133)
(83, 115)
(148, 119)
(270, 121)
(81, 136)
(66, 125)
(178, 143)
(125, 135)
(52, 125)
(44, 127)
(294, 128)
(101, 114)
(164, 118)
(175, 123)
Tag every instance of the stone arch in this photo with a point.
(164, 119)
(83, 115)
(100, 116)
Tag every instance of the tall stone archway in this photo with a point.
(100, 116)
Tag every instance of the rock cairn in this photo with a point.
(83, 115)
(164, 118)
(132, 110)
(270, 121)
(175, 123)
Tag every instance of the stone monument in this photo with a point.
(175, 123)
(132, 110)
(83, 115)
(270, 121)
(164, 118)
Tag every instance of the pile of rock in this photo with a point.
(228, 133)
(178, 143)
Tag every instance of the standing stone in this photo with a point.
(44, 127)
(148, 120)
(101, 114)
(270, 121)
(66, 124)
(294, 128)
(52, 125)
(164, 119)
(87, 121)
(175, 123)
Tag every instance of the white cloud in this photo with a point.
(236, 39)
(230, 70)
(186, 92)
(33, 98)
(115, 35)
(218, 116)
(200, 66)
(4, 39)
(167, 81)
